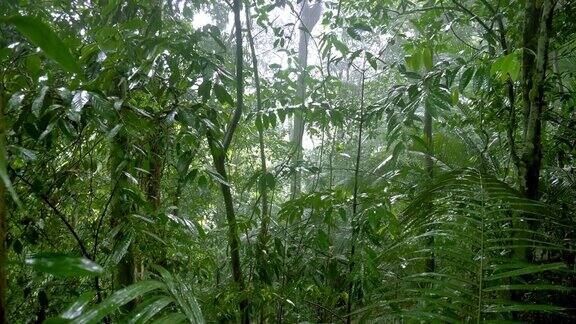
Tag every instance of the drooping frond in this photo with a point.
(482, 228)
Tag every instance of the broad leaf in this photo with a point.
(41, 35)
(64, 265)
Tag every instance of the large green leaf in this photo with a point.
(41, 35)
(119, 298)
(64, 265)
(149, 308)
(222, 95)
(78, 306)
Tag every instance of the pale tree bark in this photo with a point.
(308, 18)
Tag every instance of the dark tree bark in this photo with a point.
(538, 21)
(537, 24)
(3, 224)
(429, 165)
(353, 221)
(218, 152)
(264, 216)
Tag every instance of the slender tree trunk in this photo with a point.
(120, 207)
(3, 224)
(264, 216)
(154, 179)
(218, 158)
(120, 204)
(151, 185)
(308, 19)
(353, 223)
(429, 165)
(430, 265)
(218, 152)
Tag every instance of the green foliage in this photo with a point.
(113, 123)
(41, 35)
(63, 265)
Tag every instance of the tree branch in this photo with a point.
(60, 215)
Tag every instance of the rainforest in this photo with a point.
(287, 161)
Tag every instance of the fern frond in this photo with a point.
(478, 223)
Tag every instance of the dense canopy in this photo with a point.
(284, 161)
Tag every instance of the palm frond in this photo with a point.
(479, 225)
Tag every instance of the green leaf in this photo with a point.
(507, 66)
(363, 26)
(121, 247)
(372, 60)
(340, 46)
(119, 298)
(258, 123)
(171, 319)
(222, 95)
(39, 101)
(528, 270)
(33, 64)
(15, 102)
(465, 78)
(79, 100)
(147, 309)
(270, 180)
(531, 287)
(427, 58)
(216, 176)
(78, 306)
(353, 33)
(64, 265)
(204, 90)
(41, 35)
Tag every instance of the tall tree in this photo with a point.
(309, 16)
(538, 17)
(263, 183)
(3, 224)
(354, 222)
(219, 150)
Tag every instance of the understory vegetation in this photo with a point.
(285, 161)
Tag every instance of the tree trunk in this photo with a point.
(218, 158)
(120, 205)
(218, 153)
(430, 265)
(264, 216)
(429, 165)
(308, 19)
(3, 224)
(152, 185)
(538, 19)
(538, 22)
(154, 178)
(354, 225)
